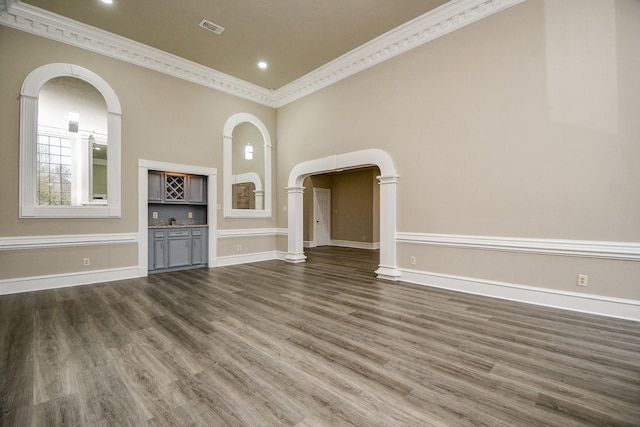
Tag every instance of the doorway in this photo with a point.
(388, 181)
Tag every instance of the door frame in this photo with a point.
(143, 207)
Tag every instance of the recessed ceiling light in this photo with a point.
(107, 1)
(262, 65)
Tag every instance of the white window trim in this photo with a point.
(28, 137)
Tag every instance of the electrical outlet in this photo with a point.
(155, 215)
(284, 208)
(583, 280)
(86, 261)
(412, 260)
(190, 214)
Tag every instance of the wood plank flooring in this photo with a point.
(316, 344)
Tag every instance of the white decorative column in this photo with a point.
(259, 199)
(387, 268)
(295, 246)
(28, 138)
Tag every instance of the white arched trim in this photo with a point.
(255, 179)
(247, 177)
(388, 180)
(28, 137)
(38, 77)
(228, 178)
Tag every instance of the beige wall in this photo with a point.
(352, 208)
(492, 129)
(523, 124)
(354, 215)
(163, 119)
(246, 245)
(53, 261)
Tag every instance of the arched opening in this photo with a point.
(342, 209)
(247, 167)
(387, 180)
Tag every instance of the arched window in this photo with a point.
(69, 144)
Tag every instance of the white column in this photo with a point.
(295, 205)
(28, 140)
(259, 199)
(388, 268)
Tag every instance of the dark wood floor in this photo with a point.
(315, 344)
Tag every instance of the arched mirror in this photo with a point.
(247, 168)
(69, 144)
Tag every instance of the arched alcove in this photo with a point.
(261, 178)
(388, 181)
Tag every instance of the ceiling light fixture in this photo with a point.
(107, 1)
(248, 151)
(262, 65)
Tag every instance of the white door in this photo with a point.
(322, 216)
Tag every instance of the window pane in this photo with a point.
(53, 169)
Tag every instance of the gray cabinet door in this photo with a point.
(156, 186)
(179, 248)
(159, 254)
(197, 189)
(199, 246)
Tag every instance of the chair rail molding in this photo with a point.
(628, 251)
(68, 240)
(436, 23)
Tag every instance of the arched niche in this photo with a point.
(387, 180)
(249, 176)
(89, 206)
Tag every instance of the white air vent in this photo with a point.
(211, 26)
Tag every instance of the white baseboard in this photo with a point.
(355, 245)
(248, 258)
(39, 283)
(344, 244)
(573, 301)
(251, 232)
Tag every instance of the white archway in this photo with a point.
(388, 181)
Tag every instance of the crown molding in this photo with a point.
(22, 16)
(430, 26)
(434, 24)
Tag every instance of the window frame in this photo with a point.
(28, 143)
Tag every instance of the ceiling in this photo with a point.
(294, 37)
